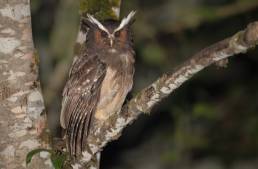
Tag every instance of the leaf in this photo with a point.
(33, 152)
(58, 160)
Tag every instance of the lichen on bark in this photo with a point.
(22, 116)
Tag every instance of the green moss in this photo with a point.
(36, 57)
(101, 9)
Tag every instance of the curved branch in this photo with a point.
(165, 85)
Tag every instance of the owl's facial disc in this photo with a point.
(111, 36)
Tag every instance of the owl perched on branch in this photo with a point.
(99, 79)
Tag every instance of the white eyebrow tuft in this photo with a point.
(125, 21)
(95, 21)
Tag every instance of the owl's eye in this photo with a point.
(117, 34)
(103, 34)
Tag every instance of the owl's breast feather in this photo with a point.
(113, 93)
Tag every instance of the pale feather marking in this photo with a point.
(125, 21)
(95, 21)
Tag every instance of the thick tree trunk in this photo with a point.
(22, 115)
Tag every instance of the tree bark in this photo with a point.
(22, 111)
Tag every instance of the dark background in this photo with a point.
(210, 122)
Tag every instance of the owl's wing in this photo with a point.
(80, 98)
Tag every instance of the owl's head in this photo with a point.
(110, 33)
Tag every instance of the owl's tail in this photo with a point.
(77, 130)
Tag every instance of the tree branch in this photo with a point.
(101, 9)
(102, 133)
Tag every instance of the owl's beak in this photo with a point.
(111, 38)
(111, 42)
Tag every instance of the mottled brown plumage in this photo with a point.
(99, 79)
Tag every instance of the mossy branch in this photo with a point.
(101, 9)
